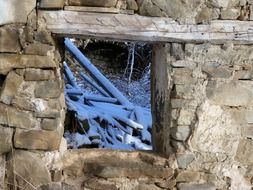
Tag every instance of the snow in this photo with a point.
(114, 121)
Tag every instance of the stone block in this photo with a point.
(249, 116)
(52, 4)
(127, 169)
(188, 176)
(204, 186)
(235, 93)
(186, 117)
(38, 49)
(15, 11)
(243, 74)
(5, 139)
(184, 64)
(10, 87)
(29, 167)
(230, 13)
(132, 5)
(247, 131)
(38, 139)
(10, 61)
(38, 74)
(92, 3)
(206, 14)
(183, 76)
(50, 124)
(180, 133)
(96, 183)
(184, 91)
(216, 131)
(48, 89)
(251, 12)
(2, 172)
(213, 72)
(9, 42)
(20, 119)
(16, 118)
(183, 160)
(244, 152)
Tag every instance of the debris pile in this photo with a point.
(107, 120)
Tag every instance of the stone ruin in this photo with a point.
(202, 101)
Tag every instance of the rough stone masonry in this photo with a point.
(210, 114)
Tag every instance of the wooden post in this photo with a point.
(160, 99)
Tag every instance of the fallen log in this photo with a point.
(98, 88)
(95, 73)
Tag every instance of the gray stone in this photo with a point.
(10, 61)
(97, 3)
(206, 14)
(188, 176)
(48, 89)
(38, 49)
(168, 184)
(2, 172)
(235, 93)
(247, 131)
(243, 74)
(244, 152)
(147, 187)
(184, 64)
(50, 124)
(52, 4)
(10, 87)
(186, 117)
(5, 139)
(217, 72)
(183, 160)
(38, 74)
(15, 11)
(29, 167)
(230, 13)
(129, 169)
(249, 116)
(181, 133)
(183, 76)
(251, 11)
(38, 139)
(132, 5)
(9, 40)
(99, 184)
(20, 119)
(177, 51)
(16, 118)
(205, 186)
(184, 91)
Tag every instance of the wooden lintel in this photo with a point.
(141, 28)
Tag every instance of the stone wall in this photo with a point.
(210, 106)
(191, 11)
(211, 102)
(32, 105)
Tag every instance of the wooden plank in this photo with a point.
(161, 85)
(92, 9)
(140, 28)
(98, 10)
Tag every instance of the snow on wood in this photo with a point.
(95, 73)
(113, 121)
(98, 88)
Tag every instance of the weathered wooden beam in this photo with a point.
(98, 9)
(140, 28)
